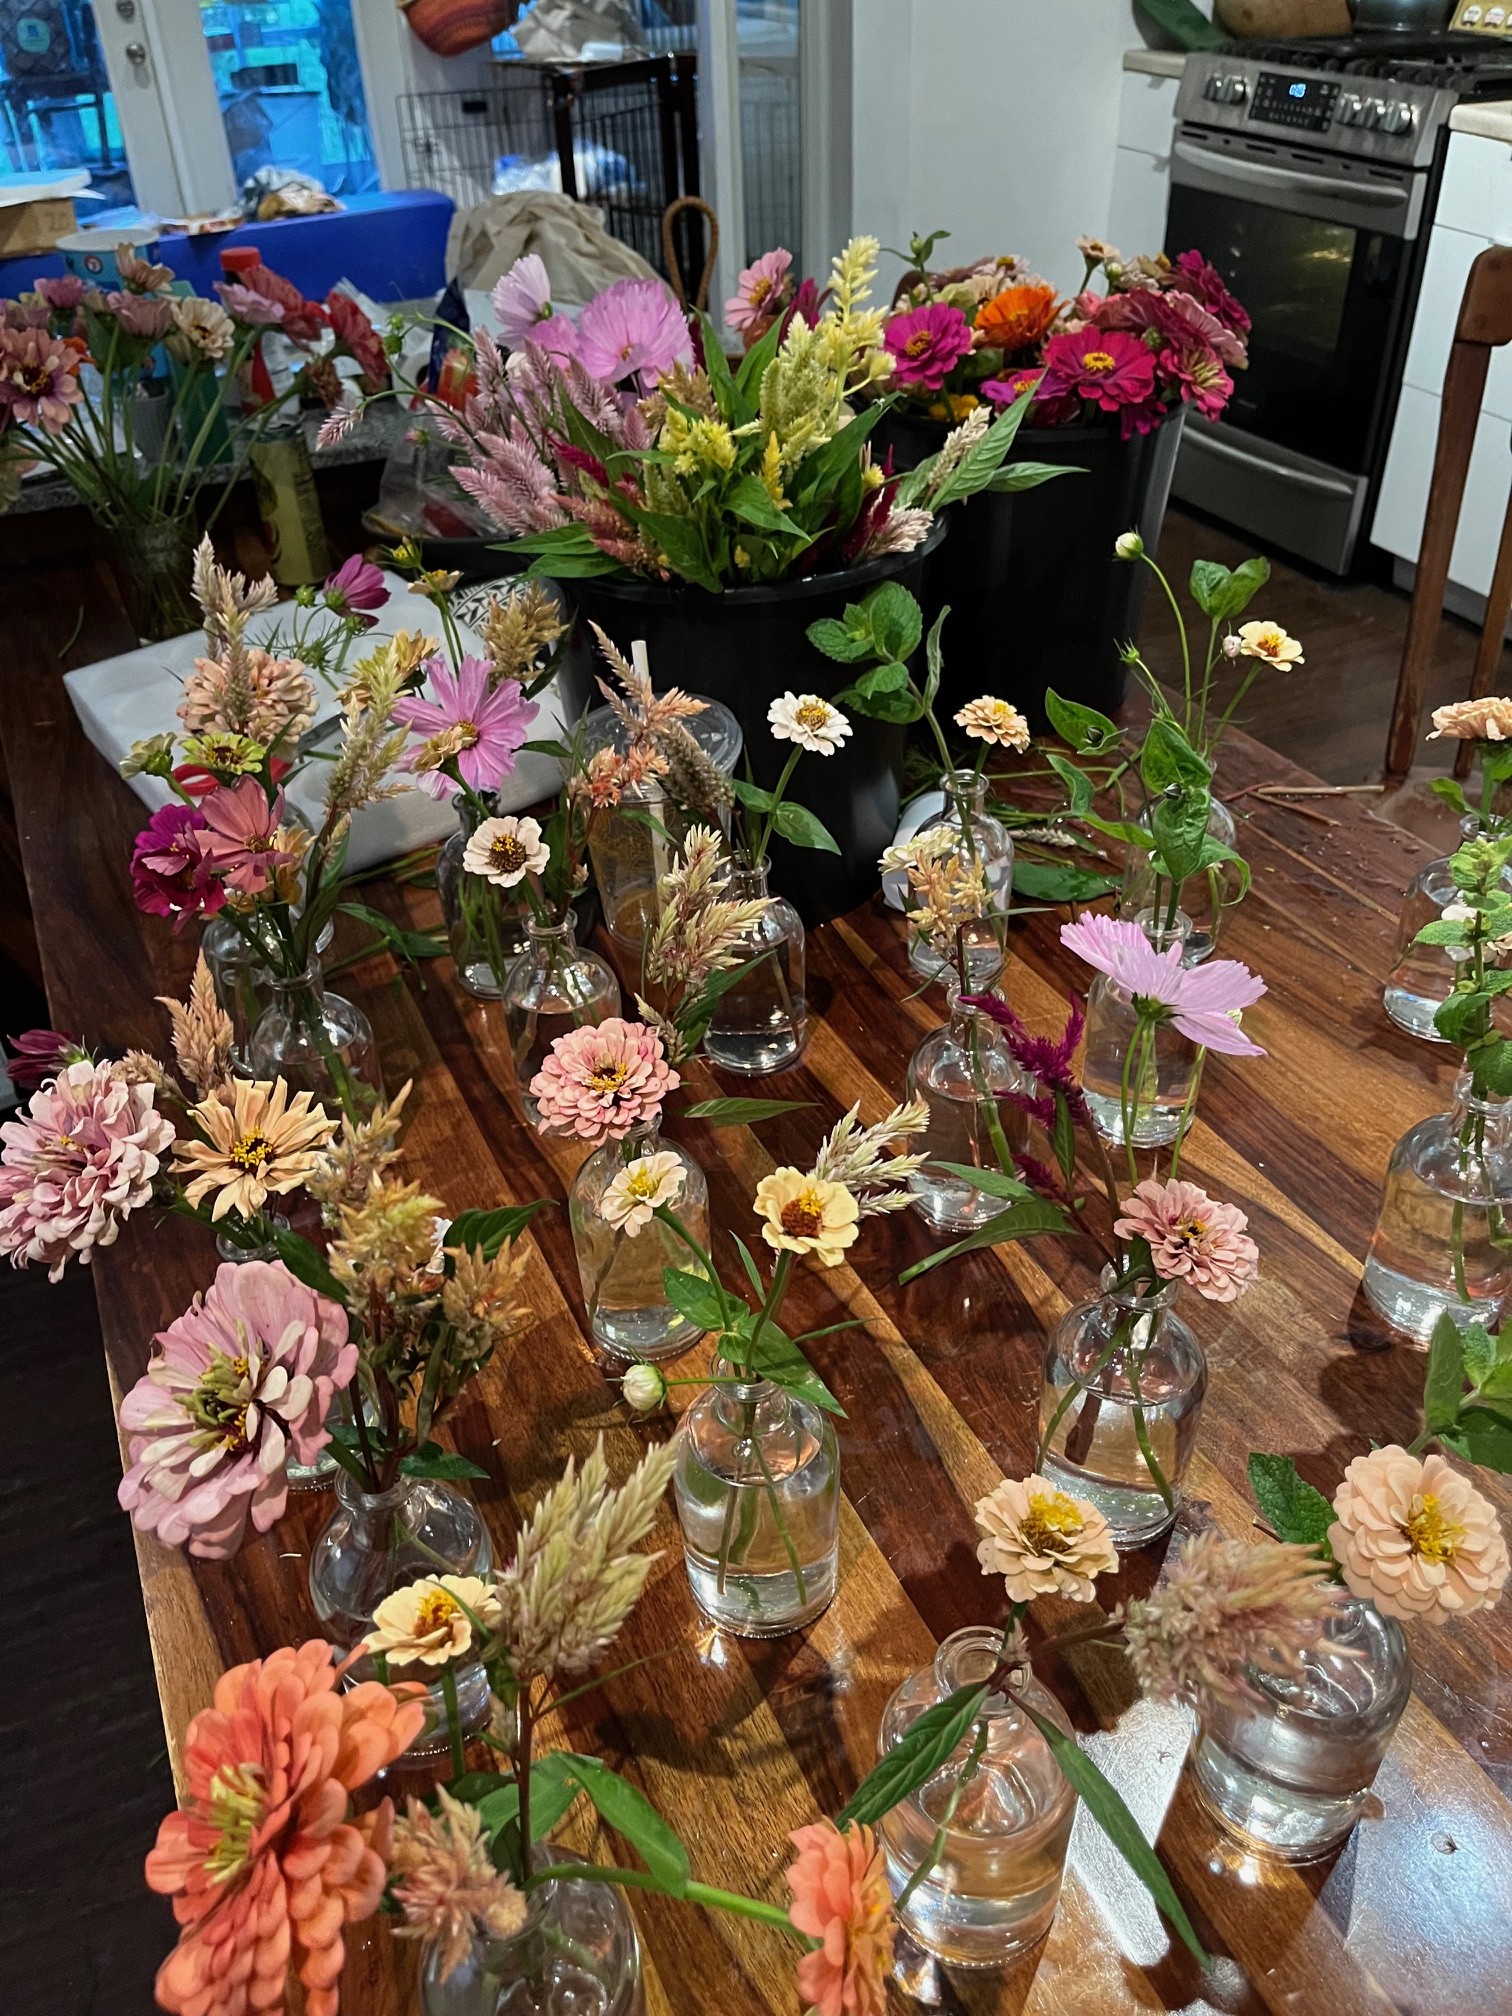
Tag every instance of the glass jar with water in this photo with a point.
(622, 1271)
(1138, 1078)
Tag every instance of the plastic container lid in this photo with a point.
(716, 731)
(240, 258)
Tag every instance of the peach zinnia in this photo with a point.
(264, 1863)
(841, 1898)
(1413, 1536)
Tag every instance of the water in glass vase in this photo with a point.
(1442, 1243)
(758, 1495)
(982, 848)
(576, 1955)
(962, 1072)
(1136, 1080)
(761, 1023)
(1286, 1766)
(993, 1891)
(622, 1270)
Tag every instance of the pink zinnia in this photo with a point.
(242, 1379)
(63, 292)
(490, 725)
(1173, 317)
(1196, 276)
(172, 873)
(241, 836)
(927, 343)
(77, 1164)
(1201, 1000)
(522, 299)
(600, 1082)
(145, 315)
(1107, 367)
(355, 589)
(634, 329)
(249, 308)
(760, 292)
(39, 378)
(1199, 376)
(1192, 1237)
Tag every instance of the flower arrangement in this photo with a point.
(1163, 334)
(178, 389)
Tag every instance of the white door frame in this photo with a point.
(824, 130)
(166, 103)
(719, 163)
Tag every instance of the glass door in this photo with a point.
(57, 107)
(290, 89)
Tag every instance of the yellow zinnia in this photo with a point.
(806, 1214)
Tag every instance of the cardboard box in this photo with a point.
(35, 227)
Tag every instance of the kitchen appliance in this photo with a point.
(1307, 172)
(1400, 17)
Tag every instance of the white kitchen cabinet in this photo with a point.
(1142, 163)
(1141, 190)
(1404, 492)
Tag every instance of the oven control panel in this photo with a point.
(1377, 118)
(1306, 103)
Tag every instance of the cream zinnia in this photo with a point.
(809, 721)
(1043, 1542)
(258, 1142)
(807, 1214)
(639, 1189)
(426, 1623)
(996, 722)
(1413, 1536)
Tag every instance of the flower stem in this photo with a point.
(453, 1717)
(642, 1879)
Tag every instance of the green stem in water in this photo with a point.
(642, 1879)
(1120, 1337)
(1142, 1435)
(936, 1847)
(453, 1718)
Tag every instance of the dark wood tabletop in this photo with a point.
(738, 1742)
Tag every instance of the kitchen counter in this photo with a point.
(1155, 62)
(1490, 122)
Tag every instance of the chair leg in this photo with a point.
(1493, 634)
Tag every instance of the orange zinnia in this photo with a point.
(1017, 317)
(264, 1865)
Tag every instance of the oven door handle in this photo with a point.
(1325, 486)
(1240, 170)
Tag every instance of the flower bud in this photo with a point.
(1232, 645)
(1128, 546)
(645, 1388)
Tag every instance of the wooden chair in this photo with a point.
(1485, 323)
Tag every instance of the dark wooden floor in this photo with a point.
(85, 1774)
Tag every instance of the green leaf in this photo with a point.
(573, 566)
(682, 540)
(1117, 1822)
(1122, 829)
(1459, 1016)
(553, 1790)
(752, 795)
(306, 1265)
(752, 1275)
(1480, 1352)
(1493, 1068)
(1291, 1507)
(1448, 788)
(1169, 762)
(1246, 581)
(1024, 1220)
(889, 677)
(897, 621)
(431, 1460)
(913, 1760)
(1058, 882)
(752, 503)
(406, 945)
(983, 459)
(1078, 784)
(742, 1112)
(1482, 1436)
(1088, 732)
(1179, 828)
(777, 1357)
(1030, 475)
(1444, 1383)
(800, 828)
(818, 474)
(904, 707)
(840, 641)
(486, 1231)
(1063, 1138)
(630, 1813)
(755, 361)
(991, 1181)
(693, 1296)
(1207, 583)
(935, 658)
(1444, 931)
(548, 748)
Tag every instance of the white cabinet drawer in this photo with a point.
(1141, 190)
(1476, 194)
(1146, 113)
(1409, 473)
(1451, 254)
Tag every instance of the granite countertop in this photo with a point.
(369, 441)
(1491, 122)
(1155, 62)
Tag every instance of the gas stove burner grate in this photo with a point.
(1473, 65)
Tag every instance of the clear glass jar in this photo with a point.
(982, 844)
(1124, 1381)
(1422, 977)
(634, 845)
(378, 1541)
(1205, 899)
(554, 986)
(1149, 1074)
(1286, 1767)
(577, 1954)
(317, 1042)
(485, 925)
(758, 1494)
(243, 984)
(761, 1023)
(993, 1891)
(961, 1071)
(1441, 1243)
(621, 1272)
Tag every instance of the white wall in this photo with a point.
(396, 62)
(997, 119)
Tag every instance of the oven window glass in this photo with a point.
(1322, 298)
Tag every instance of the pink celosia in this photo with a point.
(39, 378)
(483, 728)
(1201, 1000)
(599, 1082)
(1192, 1237)
(927, 343)
(172, 874)
(77, 1163)
(761, 290)
(242, 835)
(634, 329)
(240, 1381)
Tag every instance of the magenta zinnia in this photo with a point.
(481, 727)
(599, 1082)
(1192, 1237)
(1201, 1001)
(241, 1380)
(927, 343)
(1107, 367)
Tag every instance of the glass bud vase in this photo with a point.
(554, 986)
(1123, 1386)
(961, 1072)
(1422, 977)
(485, 925)
(758, 1494)
(378, 1541)
(1146, 1075)
(1441, 1244)
(993, 1891)
(761, 1023)
(1204, 899)
(984, 847)
(317, 1042)
(577, 1954)
(621, 1271)
(1286, 1764)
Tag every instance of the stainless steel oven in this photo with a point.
(1306, 174)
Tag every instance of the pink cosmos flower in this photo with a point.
(241, 836)
(146, 315)
(254, 310)
(1108, 368)
(634, 329)
(600, 1082)
(1192, 1237)
(77, 1164)
(1199, 1000)
(761, 291)
(355, 589)
(482, 728)
(243, 1377)
(39, 1054)
(172, 873)
(63, 292)
(927, 343)
(39, 378)
(522, 299)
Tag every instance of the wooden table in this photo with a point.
(738, 1742)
